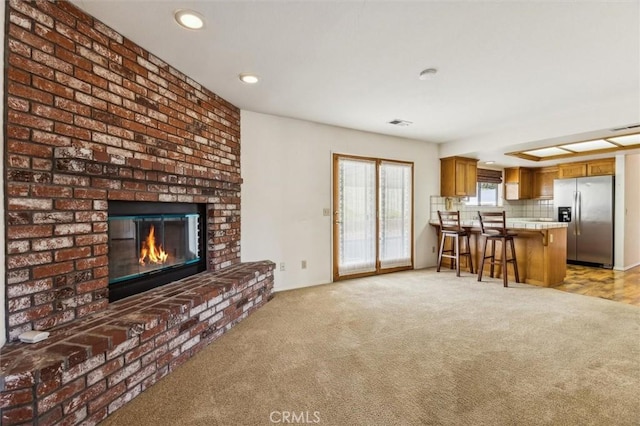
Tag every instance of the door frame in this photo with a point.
(334, 224)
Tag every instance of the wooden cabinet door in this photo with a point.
(511, 175)
(572, 170)
(471, 178)
(447, 177)
(526, 180)
(461, 178)
(601, 167)
(518, 183)
(543, 183)
(458, 177)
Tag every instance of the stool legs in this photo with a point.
(493, 256)
(503, 262)
(442, 240)
(454, 251)
(457, 259)
(515, 262)
(481, 267)
(469, 254)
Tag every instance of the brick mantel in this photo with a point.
(93, 117)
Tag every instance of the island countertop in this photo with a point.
(541, 249)
(515, 223)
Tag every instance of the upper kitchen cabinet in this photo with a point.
(606, 166)
(518, 183)
(458, 177)
(603, 167)
(572, 170)
(543, 182)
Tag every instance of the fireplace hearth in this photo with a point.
(152, 244)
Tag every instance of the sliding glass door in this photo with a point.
(396, 214)
(373, 218)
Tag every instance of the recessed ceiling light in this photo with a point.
(189, 19)
(489, 162)
(249, 78)
(427, 74)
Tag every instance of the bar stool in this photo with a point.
(450, 227)
(493, 226)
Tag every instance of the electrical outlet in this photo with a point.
(326, 212)
(282, 266)
(303, 264)
(433, 249)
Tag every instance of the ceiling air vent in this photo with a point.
(401, 123)
(633, 126)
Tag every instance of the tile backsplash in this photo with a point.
(520, 208)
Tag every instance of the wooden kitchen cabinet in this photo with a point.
(572, 170)
(543, 182)
(603, 167)
(518, 183)
(458, 176)
(606, 166)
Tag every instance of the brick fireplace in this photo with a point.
(93, 119)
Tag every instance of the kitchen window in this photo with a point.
(488, 188)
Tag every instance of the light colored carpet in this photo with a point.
(410, 348)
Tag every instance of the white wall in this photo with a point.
(286, 169)
(627, 212)
(632, 211)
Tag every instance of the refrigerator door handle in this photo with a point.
(574, 209)
(578, 212)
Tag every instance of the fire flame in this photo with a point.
(154, 253)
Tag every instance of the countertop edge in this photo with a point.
(523, 225)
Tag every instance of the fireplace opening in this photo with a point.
(152, 244)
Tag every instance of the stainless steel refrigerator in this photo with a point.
(587, 205)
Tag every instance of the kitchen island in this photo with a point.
(541, 249)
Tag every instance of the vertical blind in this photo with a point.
(375, 215)
(357, 198)
(395, 214)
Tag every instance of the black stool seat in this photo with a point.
(450, 228)
(493, 225)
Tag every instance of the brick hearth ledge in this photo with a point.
(89, 368)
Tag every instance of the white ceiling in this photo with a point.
(509, 72)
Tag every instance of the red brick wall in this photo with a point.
(92, 117)
(88, 369)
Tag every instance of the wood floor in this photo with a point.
(621, 286)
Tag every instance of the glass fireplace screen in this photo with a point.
(140, 245)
